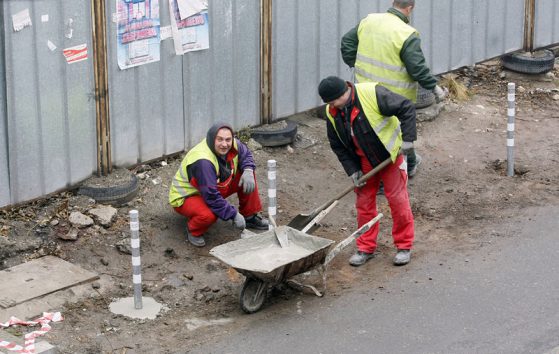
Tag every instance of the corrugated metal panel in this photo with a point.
(454, 33)
(546, 23)
(4, 162)
(166, 107)
(50, 113)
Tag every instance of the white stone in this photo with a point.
(556, 97)
(80, 220)
(104, 214)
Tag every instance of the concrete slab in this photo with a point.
(39, 277)
(41, 346)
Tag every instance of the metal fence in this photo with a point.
(48, 127)
(454, 33)
(48, 134)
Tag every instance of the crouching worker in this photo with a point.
(217, 167)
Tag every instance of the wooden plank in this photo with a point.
(39, 277)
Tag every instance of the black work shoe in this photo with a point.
(402, 257)
(360, 258)
(256, 222)
(197, 241)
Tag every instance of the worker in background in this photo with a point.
(384, 48)
(217, 167)
(367, 124)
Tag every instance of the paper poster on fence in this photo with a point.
(138, 32)
(192, 33)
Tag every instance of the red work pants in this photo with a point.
(200, 216)
(395, 178)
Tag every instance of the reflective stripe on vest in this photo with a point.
(381, 37)
(386, 128)
(181, 187)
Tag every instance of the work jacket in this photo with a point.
(385, 49)
(375, 119)
(199, 174)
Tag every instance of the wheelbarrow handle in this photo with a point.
(340, 246)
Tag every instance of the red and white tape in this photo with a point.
(29, 346)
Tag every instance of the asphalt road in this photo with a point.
(501, 297)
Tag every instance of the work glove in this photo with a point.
(247, 181)
(239, 221)
(406, 147)
(439, 93)
(355, 177)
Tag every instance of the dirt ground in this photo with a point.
(460, 192)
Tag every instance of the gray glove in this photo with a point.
(247, 181)
(406, 147)
(239, 221)
(355, 177)
(439, 93)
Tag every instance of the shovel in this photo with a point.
(281, 236)
(300, 221)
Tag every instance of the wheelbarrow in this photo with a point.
(265, 263)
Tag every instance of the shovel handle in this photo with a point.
(364, 178)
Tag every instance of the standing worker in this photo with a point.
(384, 48)
(217, 167)
(366, 125)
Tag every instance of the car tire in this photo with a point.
(278, 137)
(538, 62)
(117, 190)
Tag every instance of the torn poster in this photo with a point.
(190, 34)
(188, 8)
(75, 54)
(138, 35)
(21, 20)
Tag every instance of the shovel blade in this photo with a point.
(282, 238)
(300, 221)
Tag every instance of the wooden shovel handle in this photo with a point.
(364, 178)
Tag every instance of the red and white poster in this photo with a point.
(76, 54)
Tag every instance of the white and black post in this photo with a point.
(272, 204)
(510, 129)
(136, 263)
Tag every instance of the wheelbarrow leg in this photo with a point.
(253, 294)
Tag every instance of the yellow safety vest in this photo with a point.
(386, 128)
(381, 37)
(180, 187)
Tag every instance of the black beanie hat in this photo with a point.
(331, 88)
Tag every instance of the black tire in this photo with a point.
(425, 98)
(539, 62)
(276, 137)
(120, 191)
(253, 295)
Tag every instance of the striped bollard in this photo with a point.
(271, 190)
(510, 129)
(136, 263)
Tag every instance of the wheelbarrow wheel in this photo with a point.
(253, 295)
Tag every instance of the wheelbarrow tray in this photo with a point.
(263, 258)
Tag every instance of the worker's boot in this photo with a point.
(402, 257)
(360, 258)
(413, 164)
(197, 241)
(256, 222)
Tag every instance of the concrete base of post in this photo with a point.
(150, 308)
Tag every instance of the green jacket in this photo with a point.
(411, 54)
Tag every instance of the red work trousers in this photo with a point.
(200, 216)
(395, 178)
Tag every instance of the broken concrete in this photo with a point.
(104, 214)
(80, 220)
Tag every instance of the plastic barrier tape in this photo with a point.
(29, 346)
